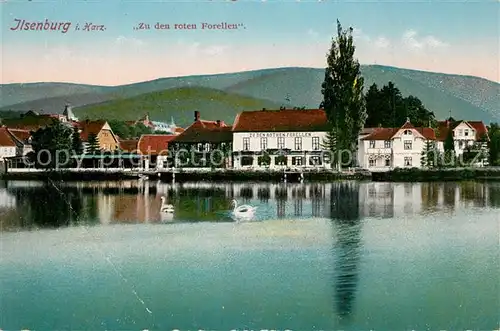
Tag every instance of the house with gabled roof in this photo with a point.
(22, 139)
(290, 137)
(465, 133)
(198, 141)
(107, 139)
(154, 150)
(388, 148)
(8, 146)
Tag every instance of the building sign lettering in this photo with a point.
(279, 134)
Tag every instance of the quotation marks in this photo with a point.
(190, 26)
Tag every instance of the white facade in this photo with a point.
(463, 135)
(402, 150)
(301, 149)
(7, 151)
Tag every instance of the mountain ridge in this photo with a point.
(468, 97)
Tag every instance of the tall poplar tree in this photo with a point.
(343, 99)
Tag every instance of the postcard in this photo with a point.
(249, 165)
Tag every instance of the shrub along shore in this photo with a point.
(433, 175)
(188, 176)
(397, 175)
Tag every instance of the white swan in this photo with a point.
(166, 208)
(243, 211)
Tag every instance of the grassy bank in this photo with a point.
(214, 176)
(430, 175)
(66, 176)
(266, 176)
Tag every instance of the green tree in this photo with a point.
(343, 99)
(430, 155)
(93, 144)
(120, 128)
(51, 146)
(76, 142)
(375, 110)
(264, 159)
(449, 150)
(388, 108)
(494, 144)
(473, 154)
(393, 107)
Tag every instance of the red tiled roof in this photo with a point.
(21, 135)
(89, 127)
(388, 133)
(206, 131)
(382, 134)
(28, 123)
(407, 125)
(154, 144)
(444, 126)
(6, 139)
(480, 128)
(129, 145)
(428, 133)
(281, 120)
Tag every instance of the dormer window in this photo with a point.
(407, 132)
(372, 143)
(466, 132)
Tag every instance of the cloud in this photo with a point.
(215, 50)
(382, 42)
(129, 41)
(413, 41)
(358, 34)
(313, 34)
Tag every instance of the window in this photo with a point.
(407, 133)
(246, 144)
(407, 144)
(387, 144)
(298, 143)
(371, 163)
(297, 160)
(315, 160)
(263, 143)
(460, 132)
(466, 132)
(207, 147)
(372, 143)
(200, 147)
(460, 143)
(408, 161)
(246, 160)
(315, 143)
(387, 162)
(281, 142)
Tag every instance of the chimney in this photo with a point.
(218, 123)
(196, 116)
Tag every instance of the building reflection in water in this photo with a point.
(345, 215)
(27, 204)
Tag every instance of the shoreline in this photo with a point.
(231, 175)
(187, 176)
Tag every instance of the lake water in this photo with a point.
(336, 256)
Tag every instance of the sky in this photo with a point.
(458, 37)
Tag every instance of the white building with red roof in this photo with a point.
(8, 146)
(383, 149)
(291, 137)
(387, 148)
(465, 133)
